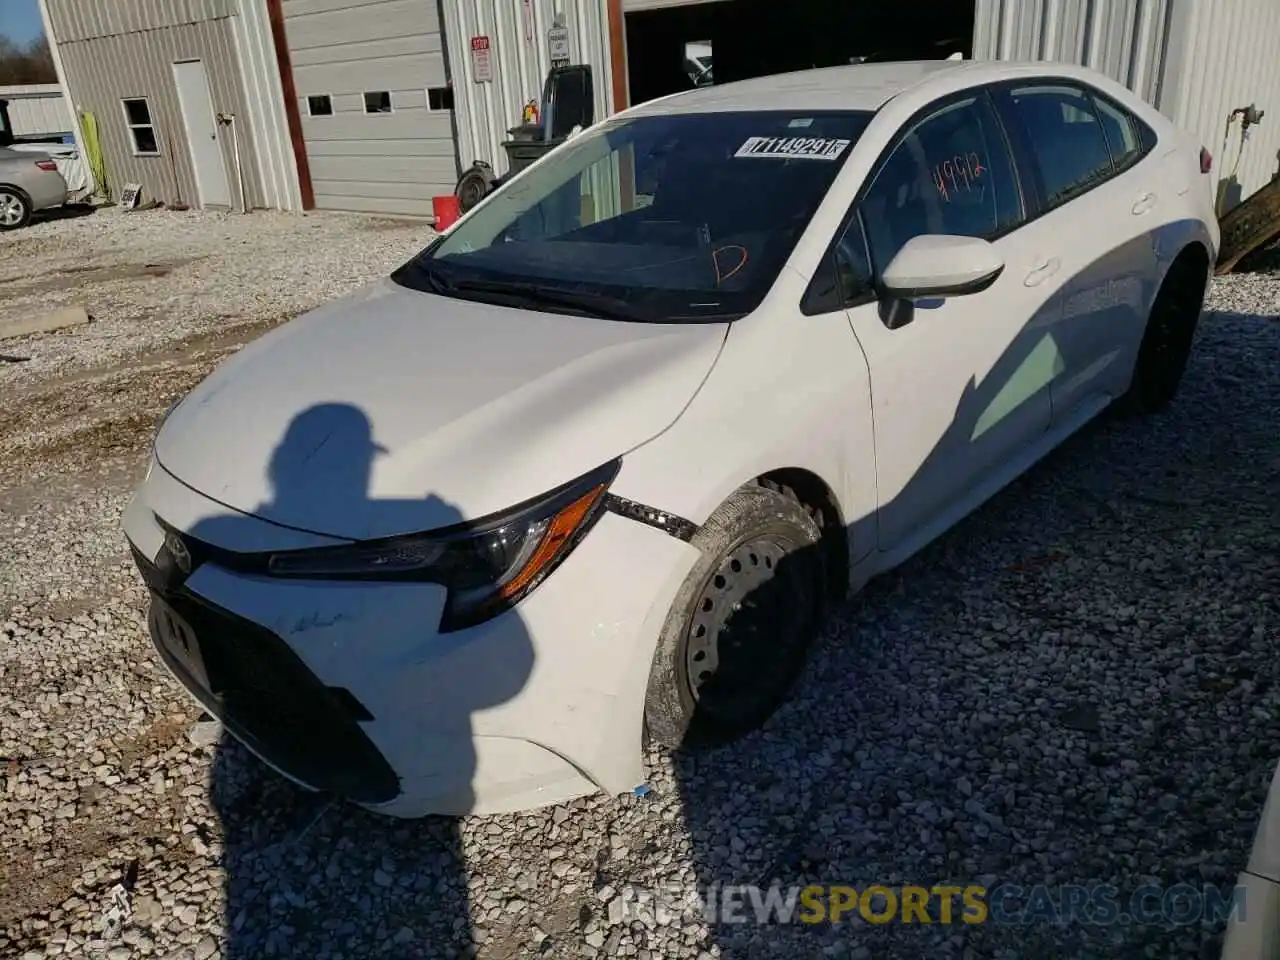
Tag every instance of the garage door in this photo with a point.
(370, 80)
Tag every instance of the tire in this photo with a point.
(1166, 341)
(15, 208)
(750, 609)
(473, 186)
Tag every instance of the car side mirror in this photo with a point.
(939, 265)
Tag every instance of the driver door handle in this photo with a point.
(1042, 272)
(1144, 203)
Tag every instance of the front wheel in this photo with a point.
(739, 631)
(15, 209)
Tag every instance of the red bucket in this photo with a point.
(446, 210)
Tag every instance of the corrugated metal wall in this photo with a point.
(87, 19)
(517, 32)
(101, 71)
(1122, 38)
(38, 109)
(1194, 59)
(1225, 54)
(260, 73)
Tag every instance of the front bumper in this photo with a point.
(348, 688)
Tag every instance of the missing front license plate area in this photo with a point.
(176, 638)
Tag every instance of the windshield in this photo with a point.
(660, 218)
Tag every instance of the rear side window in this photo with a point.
(1066, 139)
(950, 173)
(1122, 134)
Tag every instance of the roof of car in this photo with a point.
(863, 86)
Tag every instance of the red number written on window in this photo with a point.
(957, 173)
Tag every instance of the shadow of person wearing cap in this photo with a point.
(306, 875)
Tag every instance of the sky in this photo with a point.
(20, 19)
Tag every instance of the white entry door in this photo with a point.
(202, 133)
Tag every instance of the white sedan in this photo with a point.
(593, 465)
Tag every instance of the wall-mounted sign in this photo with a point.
(481, 64)
(558, 45)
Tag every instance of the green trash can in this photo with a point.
(525, 146)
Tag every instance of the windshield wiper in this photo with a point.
(535, 294)
(435, 280)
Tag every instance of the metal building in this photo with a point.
(377, 105)
(166, 82)
(492, 84)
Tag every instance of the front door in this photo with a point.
(965, 385)
(201, 126)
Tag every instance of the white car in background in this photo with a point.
(594, 464)
(29, 183)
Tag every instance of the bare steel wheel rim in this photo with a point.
(11, 209)
(748, 626)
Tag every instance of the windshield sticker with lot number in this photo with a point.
(958, 173)
(793, 148)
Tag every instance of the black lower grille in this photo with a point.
(267, 697)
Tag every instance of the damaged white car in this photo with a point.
(596, 462)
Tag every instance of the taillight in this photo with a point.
(46, 165)
(1206, 160)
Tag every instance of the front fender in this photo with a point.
(787, 391)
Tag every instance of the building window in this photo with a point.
(320, 106)
(378, 101)
(440, 98)
(137, 116)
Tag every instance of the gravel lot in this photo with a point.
(1078, 685)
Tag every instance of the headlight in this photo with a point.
(487, 566)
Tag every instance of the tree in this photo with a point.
(29, 63)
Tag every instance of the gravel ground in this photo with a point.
(1077, 685)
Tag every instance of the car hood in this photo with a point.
(392, 411)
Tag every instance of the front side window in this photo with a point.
(659, 218)
(1066, 139)
(142, 132)
(951, 173)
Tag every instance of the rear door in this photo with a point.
(959, 391)
(1087, 160)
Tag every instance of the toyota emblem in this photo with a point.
(178, 550)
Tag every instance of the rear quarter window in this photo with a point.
(1065, 136)
(1121, 128)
